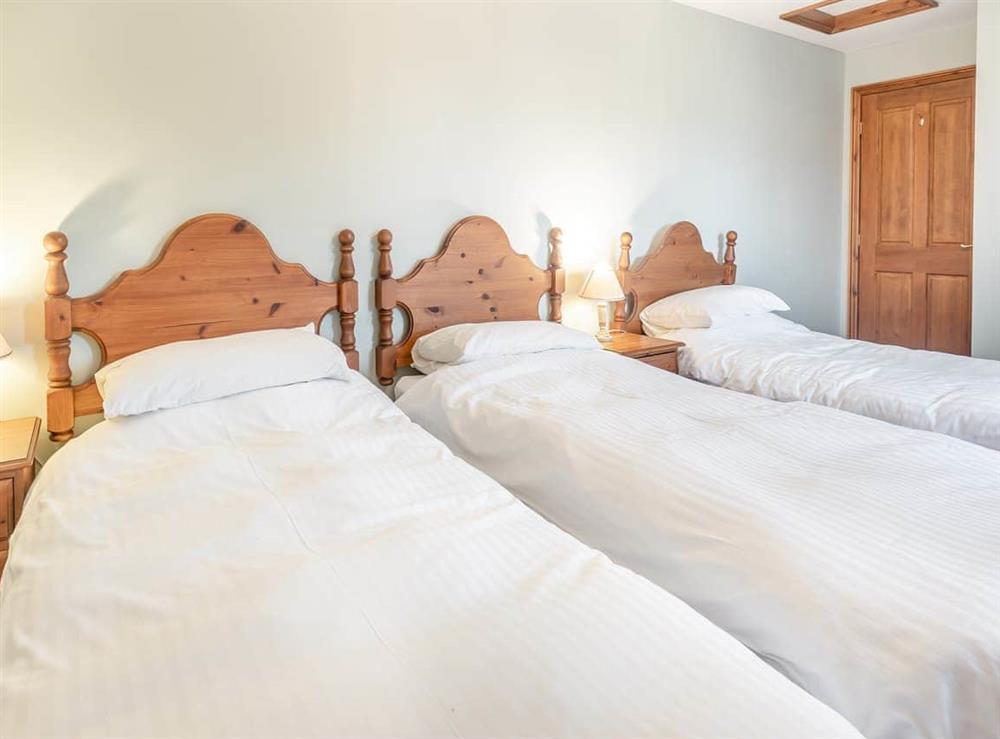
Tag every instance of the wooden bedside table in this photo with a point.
(660, 353)
(18, 439)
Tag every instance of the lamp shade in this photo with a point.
(602, 284)
(4, 347)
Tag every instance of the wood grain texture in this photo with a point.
(661, 353)
(18, 444)
(911, 214)
(58, 329)
(216, 275)
(347, 296)
(639, 345)
(858, 95)
(18, 439)
(677, 262)
(476, 277)
(810, 16)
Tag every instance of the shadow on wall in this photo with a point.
(655, 209)
(103, 224)
(100, 230)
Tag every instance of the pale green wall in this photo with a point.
(986, 252)
(121, 120)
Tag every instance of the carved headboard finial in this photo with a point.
(347, 297)
(56, 282)
(729, 260)
(385, 301)
(384, 249)
(558, 276)
(346, 239)
(555, 241)
(58, 328)
(624, 259)
(626, 245)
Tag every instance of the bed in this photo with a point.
(857, 557)
(302, 560)
(779, 359)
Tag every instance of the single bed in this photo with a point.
(302, 560)
(857, 557)
(779, 359)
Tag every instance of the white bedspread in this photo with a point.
(780, 359)
(861, 558)
(305, 562)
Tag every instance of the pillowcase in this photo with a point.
(467, 342)
(743, 325)
(185, 372)
(698, 308)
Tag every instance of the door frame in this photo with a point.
(854, 237)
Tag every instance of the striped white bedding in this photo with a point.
(860, 558)
(305, 562)
(777, 358)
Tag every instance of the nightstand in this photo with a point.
(18, 439)
(660, 353)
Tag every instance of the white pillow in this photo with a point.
(184, 372)
(742, 325)
(467, 342)
(698, 308)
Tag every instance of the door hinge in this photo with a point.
(861, 126)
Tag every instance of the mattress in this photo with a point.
(776, 358)
(304, 561)
(860, 558)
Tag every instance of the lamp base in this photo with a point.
(602, 334)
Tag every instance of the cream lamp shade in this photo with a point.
(4, 347)
(602, 284)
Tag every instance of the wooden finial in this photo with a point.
(385, 301)
(384, 249)
(347, 297)
(558, 275)
(624, 259)
(56, 281)
(346, 239)
(58, 328)
(729, 260)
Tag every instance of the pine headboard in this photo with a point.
(677, 262)
(475, 277)
(215, 275)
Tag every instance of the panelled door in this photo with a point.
(914, 239)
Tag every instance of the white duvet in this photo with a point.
(776, 358)
(305, 562)
(862, 559)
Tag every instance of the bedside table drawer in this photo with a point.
(666, 361)
(6, 507)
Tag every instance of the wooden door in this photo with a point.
(914, 221)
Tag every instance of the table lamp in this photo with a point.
(602, 285)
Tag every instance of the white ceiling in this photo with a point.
(764, 13)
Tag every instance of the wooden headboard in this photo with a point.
(476, 277)
(678, 262)
(216, 275)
